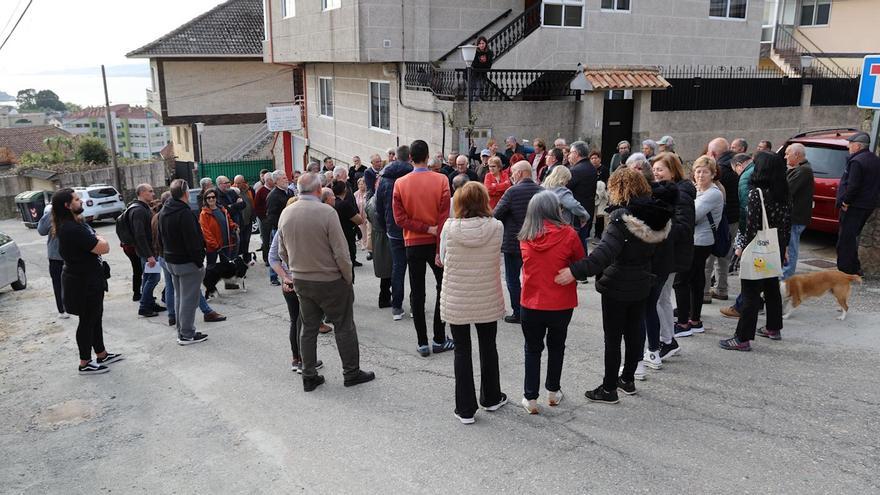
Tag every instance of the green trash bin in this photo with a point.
(30, 205)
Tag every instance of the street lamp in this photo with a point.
(468, 52)
(806, 62)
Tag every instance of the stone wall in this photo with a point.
(869, 247)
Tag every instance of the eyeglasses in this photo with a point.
(210, 197)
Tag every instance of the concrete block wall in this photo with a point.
(151, 173)
(348, 132)
(656, 32)
(692, 130)
(218, 140)
(224, 87)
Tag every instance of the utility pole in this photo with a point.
(111, 130)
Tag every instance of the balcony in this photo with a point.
(492, 85)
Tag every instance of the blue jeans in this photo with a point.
(398, 272)
(512, 267)
(169, 293)
(793, 249)
(148, 284)
(584, 235)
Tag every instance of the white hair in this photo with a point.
(278, 174)
(340, 171)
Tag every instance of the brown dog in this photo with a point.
(800, 287)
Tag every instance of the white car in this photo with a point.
(12, 270)
(100, 201)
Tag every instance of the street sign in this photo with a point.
(283, 118)
(869, 86)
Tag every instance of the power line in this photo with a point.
(16, 23)
(11, 16)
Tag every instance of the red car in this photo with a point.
(827, 153)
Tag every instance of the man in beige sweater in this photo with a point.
(311, 243)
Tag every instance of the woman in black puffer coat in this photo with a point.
(622, 261)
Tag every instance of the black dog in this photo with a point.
(232, 272)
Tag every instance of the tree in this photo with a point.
(48, 100)
(27, 99)
(92, 150)
(72, 107)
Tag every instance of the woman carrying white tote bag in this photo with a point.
(768, 227)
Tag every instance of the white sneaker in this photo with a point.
(63, 315)
(639, 373)
(554, 398)
(652, 360)
(531, 406)
(397, 314)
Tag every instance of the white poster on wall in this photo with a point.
(283, 118)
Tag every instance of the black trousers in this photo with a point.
(90, 330)
(417, 258)
(137, 271)
(622, 319)
(689, 286)
(490, 380)
(751, 292)
(852, 221)
(536, 325)
(385, 291)
(295, 321)
(55, 268)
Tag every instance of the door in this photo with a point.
(617, 120)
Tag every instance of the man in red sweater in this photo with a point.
(260, 212)
(421, 207)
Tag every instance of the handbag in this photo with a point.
(721, 234)
(761, 258)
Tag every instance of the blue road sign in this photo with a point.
(869, 86)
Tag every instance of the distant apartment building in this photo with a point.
(11, 117)
(139, 133)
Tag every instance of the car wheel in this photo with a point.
(21, 283)
(255, 227)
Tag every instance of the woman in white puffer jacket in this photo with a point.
(470, 250)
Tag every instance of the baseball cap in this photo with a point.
(859, 137)
(666, 140)
(486, 152)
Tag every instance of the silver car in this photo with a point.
(12, 270)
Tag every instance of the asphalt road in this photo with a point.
(228, 416)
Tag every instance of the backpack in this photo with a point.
(123, 228)
(721, 233)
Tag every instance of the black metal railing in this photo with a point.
(718, 88)
(493, 85)
(516, 30)
(791, 50)
(475, 35)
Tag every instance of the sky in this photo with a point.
(61, 44)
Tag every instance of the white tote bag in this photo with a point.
(761, 258)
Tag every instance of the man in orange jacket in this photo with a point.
(421, 206)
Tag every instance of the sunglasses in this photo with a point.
(210, 197)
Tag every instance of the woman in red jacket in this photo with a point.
(548, 244)
(220, 234)
(496, 181)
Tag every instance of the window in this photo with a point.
(728, 9)
(615, 5)
(330, 4)
(325, 96)
(564, 13)
(380, 115)
(815, 12)
(288, 8)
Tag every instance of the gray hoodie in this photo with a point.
(44, 227)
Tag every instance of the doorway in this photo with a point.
(617, 122)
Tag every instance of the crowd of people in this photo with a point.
(669, 235)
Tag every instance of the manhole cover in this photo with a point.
(819, 263)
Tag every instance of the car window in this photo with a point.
(4, 239)
(827, 163)
(104, 192)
